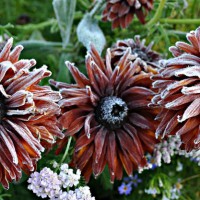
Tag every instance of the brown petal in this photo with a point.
(15, 53)
(75, 126)
(99, 143)
(141, 121)
(9, 144)
(69, 117)
(4, 54)
(112, 155)
(82, 141)
(80, 78)
(18, 99)
(33, 78)
(192, 110)
(128, 166)
(188, 126)
(88, 120)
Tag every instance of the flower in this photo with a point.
(27, 114)
(81, 193)
(179, 96)
(171, 146)
(67, 177)
(147, 58)
(179, 167)
(45, 183)
(135, 180)
(125, 188)
(108, 115)
(121, 12)
(166, 149)
(152, 191)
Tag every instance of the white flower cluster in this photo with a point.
(67, 177)
(193, 155)
(46, 183)
(175, 192)
(166, 149)
(81, 193)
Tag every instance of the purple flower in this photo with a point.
(135, 180)
(125, 188)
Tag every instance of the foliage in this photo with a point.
(41, 39)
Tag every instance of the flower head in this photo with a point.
(121, 12)
(67, 177)
(135, 180)
(125, 188)
(179, 96)
(45, 183)
(109, 116)
(147, 58)
(27, 114)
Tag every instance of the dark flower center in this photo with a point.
(111, 112)
(2, 108)
(141, 54)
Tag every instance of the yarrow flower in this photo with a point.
(171, 146)
(45, 183)
(28, 114)
(152, 191)
(108, 114)
(67, 177)
(81, 193)
(166, 149)
(121, 12)
(179, 95)
(175, 192)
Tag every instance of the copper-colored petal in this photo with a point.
(5, 53)
(78, 76)
(112, 155)
(99, 143)
(141, 121)
(69, 117)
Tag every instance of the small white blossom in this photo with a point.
(152, 191)
(170, 147)
(44, 183)
(55, 164)
(67, 176)
(179, 167)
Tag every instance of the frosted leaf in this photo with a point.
(64, 11)
(88, 33)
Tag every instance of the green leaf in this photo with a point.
(63, 73)
(105, 179)
(64, 10)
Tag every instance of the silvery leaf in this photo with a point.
(64, 10)
(89, 32)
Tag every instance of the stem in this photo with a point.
(180, 21)
(66, 150)
(30, 27)
(96, 7)
(157, 15)
(190, 178)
